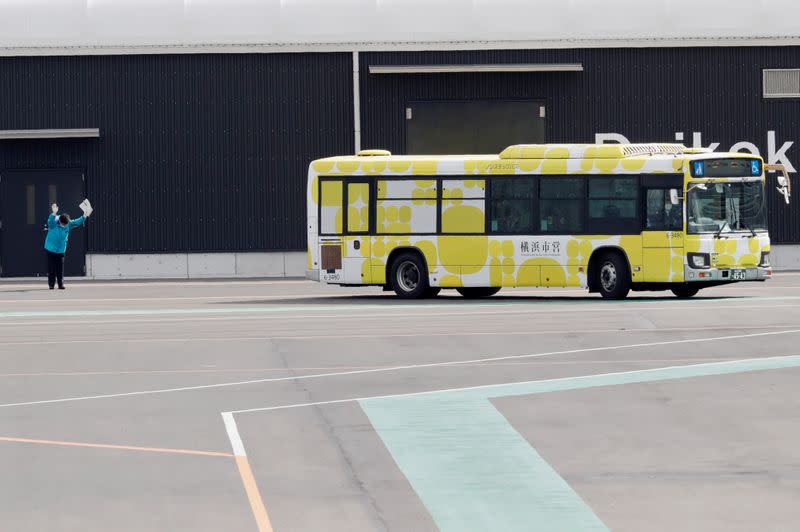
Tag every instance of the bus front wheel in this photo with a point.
(477, 292)
(409, 277)
(613, 278)
(685, 291)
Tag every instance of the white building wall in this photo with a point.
(785, 257)
(196, 265)
(130, 23)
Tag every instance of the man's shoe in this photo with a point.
(61, 287)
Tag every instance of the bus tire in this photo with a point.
(409, 276)
(613, 278)
(685, 291)
(477, 292)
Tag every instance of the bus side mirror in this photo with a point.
(784, 183)
(674, 198)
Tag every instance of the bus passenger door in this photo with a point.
(331, 217)
(357, 222)
(662, 237)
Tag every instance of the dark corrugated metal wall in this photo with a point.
(646, 94)
(197, 152)
(209, 152)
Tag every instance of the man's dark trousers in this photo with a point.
(55, 269)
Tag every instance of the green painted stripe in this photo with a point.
(473, 471)
(626, 377)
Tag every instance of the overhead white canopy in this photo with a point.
(120, 26)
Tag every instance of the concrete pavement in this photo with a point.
(112, 395)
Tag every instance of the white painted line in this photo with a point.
(246, 474)
(264, 370)
(233, 434)
(418, 334)
(51, 301)
(499, 385)
(393, 368)
(491, 309)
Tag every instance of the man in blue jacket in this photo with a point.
(55, 245)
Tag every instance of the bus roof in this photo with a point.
(553, 151)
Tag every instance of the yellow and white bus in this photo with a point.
(608, 217)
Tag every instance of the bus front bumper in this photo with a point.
(312, 275)
(724, 275)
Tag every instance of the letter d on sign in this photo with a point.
(602, 138)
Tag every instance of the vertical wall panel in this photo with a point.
(197, 152)
(209, 152)
(646, 94)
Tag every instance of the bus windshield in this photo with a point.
(726, 206)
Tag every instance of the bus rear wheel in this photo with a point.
(477, 292)
(613, 278)
(685, 291)
(409, 277)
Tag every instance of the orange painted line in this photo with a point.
(118, 447)
(253, 495)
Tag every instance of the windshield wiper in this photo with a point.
(722, 228)
(747, 227)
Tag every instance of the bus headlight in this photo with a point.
(699, 261)
(764, 259)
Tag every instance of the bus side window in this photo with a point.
(661, 214)
(463, 206)
(561, 205)
(331, 208)
(613, 205)
(511, 205)
(406, 206)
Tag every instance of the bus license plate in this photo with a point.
(738, 275)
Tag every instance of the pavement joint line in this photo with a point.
(246, 474)
(499, 309)
(378, 335)
(368, 306)
(512, 292)
(334, 297)
(115, 447)
(780, 358)
(393, 368)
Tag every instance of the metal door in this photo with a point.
(483, 126)
(25, 199)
